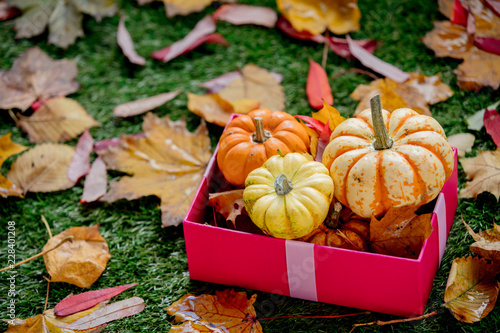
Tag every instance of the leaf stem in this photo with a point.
(396, 321)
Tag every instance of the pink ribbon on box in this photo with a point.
(440, 210)
(301, 270)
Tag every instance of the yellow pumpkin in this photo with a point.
(289, 196)
(387, 159)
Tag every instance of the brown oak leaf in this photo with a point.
(167, 161)
(7, 149)
(35, 76)
(478, 70)
(226, 311)
(484, 172)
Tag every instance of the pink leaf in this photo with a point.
(491, 122)
(323, 140)
(204, 27)
(113, 142)
(459, 14)
(217, 84)
(494, 5)
(211, 38)
(340, 47)
(86, 300)
(315, 124)
(108, 313)
(143, 105)
(96, 182)
(285, 26)
(246, 14)
(376, 64)
(488, 44)
(127, 45)
(80, 164)
(317, 86)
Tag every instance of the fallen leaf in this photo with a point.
(256, 84)
(463, 142)
(317, 86)
(494, 5)
(83, 301)
(111, 312)
(323, 141)
(446, 7)
(341, 48)
(168, 161)
(48, 322)
(491, 235)
(431, 87)
(448, 40)
(63, 18)
(484, 172)
(491, 45)
(7, 11)
(400, 232)
(96, 182)
(58, 119)
(80, 262)
(7, 149)
(476, 121)
(284, 25)
(340, 17)
(246, 14)
(473, 74)
(376, 64)
(126, 43)
(471, 290)
(328, 115)
(486, 22)
(487, 243)
(141, 106)
(492, 124)
(35, 76)
(313, 123)
(80, 164)
(184, 7)
(459, 13)
(43, 168)
(193, 39)
(229, 204)
(217, 84)
(213, 108)
(227, 311)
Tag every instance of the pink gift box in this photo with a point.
(369, 281)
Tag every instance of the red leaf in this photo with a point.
(285, 26)
(7, 12)
(317, 86)
(96, 182)
(246, 14)
(37, 104)
(204, 27)
(212, 38)
(315, 124)
(459, 14)
(127, 45)
(323, 140)
(491, 122)
(376, 64)
(494, 5)
(86, 300)
(340, 47)
(488, 44)
(80, 164)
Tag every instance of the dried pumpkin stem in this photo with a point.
(282, 185)
(382, 139)
(260, 135)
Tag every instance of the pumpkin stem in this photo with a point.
(260, 135)
(382, 139)
(282, 185)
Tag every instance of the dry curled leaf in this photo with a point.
(141, 106)
(340, 17)
(487, 243)
(80, 164)
(478, 70)
(484, 172)
(126, 43)
(227, 311)
(463, 142)
(246, 14)
(448, 40)
(35, 76)
(58, 119)
(63, 18)
(96, 182)
(432, 89)
(255, 84)
(167, 161)
(80, 262)
(43, 168)
(472, 290)
(229, 204)
(400, 232)
(7, 149)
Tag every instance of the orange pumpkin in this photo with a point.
(381, 159)
(249, 140)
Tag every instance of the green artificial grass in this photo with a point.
(141, 250)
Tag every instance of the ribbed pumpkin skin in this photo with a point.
(296, 213)
(412, 171)
(239, 154)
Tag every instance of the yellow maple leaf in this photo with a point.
(328, 114)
